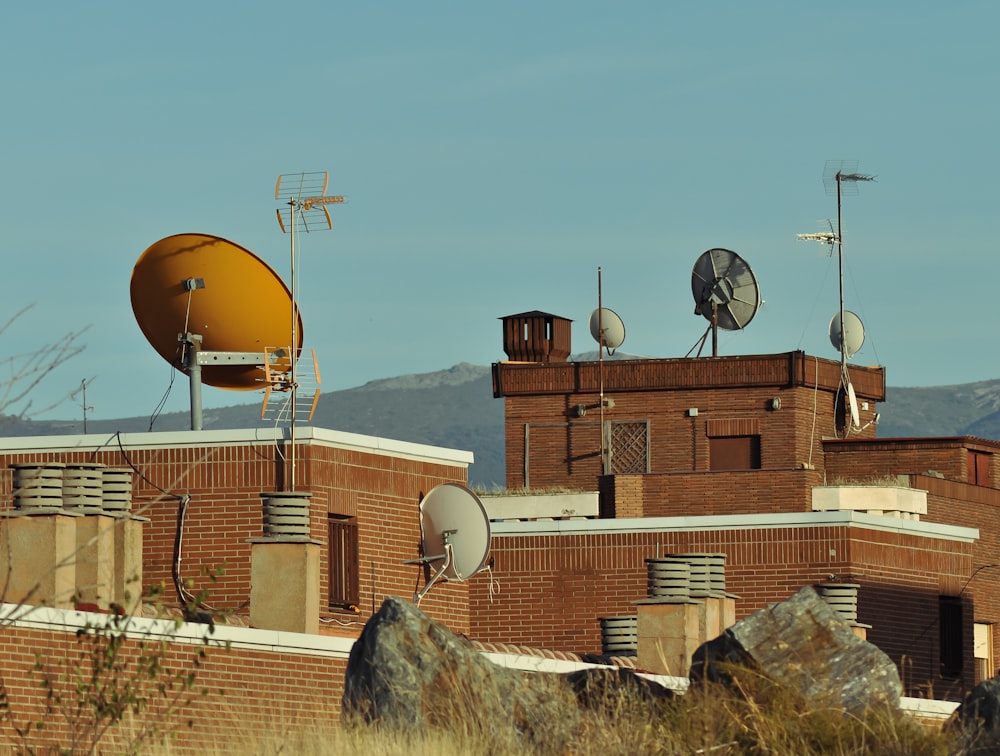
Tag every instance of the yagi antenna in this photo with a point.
(305, 200)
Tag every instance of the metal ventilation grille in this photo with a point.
(628, 447)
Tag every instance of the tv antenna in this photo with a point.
(608, 331)
(841, 177)
(306, 201)
(725, 292)
(454, 535)
(83, 401)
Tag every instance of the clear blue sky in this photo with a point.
(494, 156)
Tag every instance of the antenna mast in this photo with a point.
(83, 404)
(306, 198)
(600, 371)
(842, 178)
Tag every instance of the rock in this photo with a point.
(601, 689)
(802, 644)
(409, 673)
(977, 719)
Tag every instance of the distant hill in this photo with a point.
(455, 408)
(967, 409)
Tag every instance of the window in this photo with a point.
(952, 651)
(978, 472)
(982, 642)
(734, 453)
(344, 567)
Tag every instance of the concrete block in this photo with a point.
(41, 551)
(284, 585)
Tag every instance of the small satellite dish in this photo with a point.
(607, 328)
(854, 333)
(853, 400)
(725, 292)
(210, 287)
(455, 534)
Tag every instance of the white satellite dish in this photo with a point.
(607, 328)
(455, 535)
(853, 333)
(853, 400)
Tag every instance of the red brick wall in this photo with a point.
(563, 449)
(977, 507)
(708, 493)
(224, 481)
(554, 588)
(279, 691)
(856, 460)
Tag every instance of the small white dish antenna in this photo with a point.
(455, 535)
(853, 333)
(607, 328)
(853, 400)
(725, 292)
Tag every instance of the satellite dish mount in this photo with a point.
(608, 331)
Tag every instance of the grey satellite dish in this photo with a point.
(607, 328)
(455, 535)
(725, 292)
(853, 333)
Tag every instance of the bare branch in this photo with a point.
(22, 373)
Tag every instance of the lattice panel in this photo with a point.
(629, 447)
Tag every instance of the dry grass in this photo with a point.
(497, 490)
(876, 481)
(757, 718)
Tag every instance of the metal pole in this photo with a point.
(292, 355)
(840, 265)
(600, 370)
(193, 343)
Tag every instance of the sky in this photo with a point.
(494, 156)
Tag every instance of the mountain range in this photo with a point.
(455, 408)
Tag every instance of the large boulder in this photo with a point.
(408, 673)
(803, 645)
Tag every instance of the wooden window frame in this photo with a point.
(344, 563)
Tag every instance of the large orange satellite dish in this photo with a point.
(244, 306)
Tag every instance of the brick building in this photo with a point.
(364, 496)
(754, 457)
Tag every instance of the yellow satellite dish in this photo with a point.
(210, 287)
